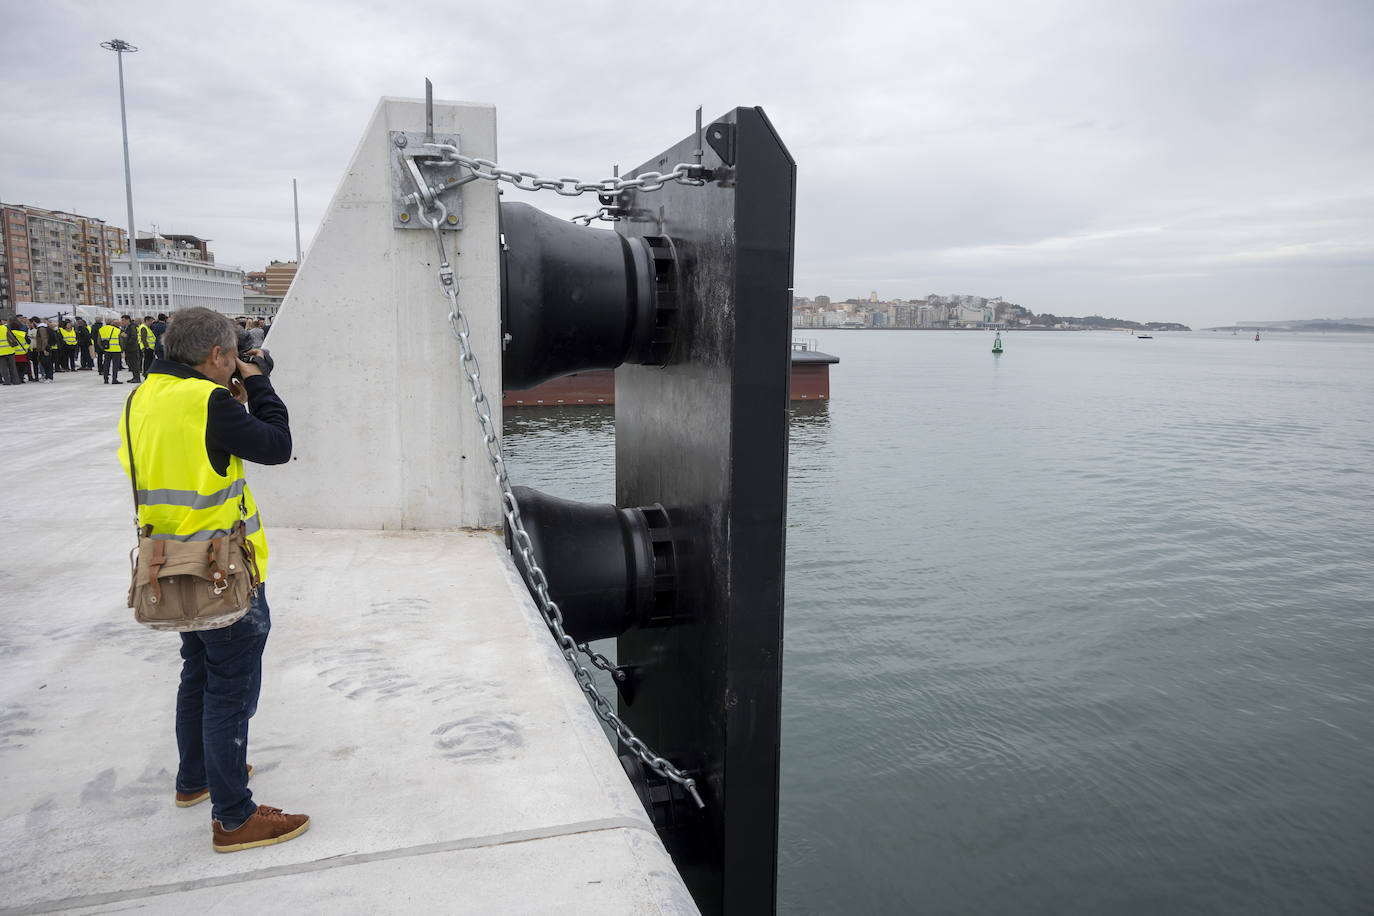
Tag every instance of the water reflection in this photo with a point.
(569, 451)
(565, 451)
(525, 420)
(809, 413)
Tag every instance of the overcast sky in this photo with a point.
(1199, 161)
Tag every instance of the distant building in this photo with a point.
(971, 316)
(176, 272)
(259, 305)
(55, 257)
(264, 290)
(279, 276)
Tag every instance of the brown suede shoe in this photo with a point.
(267, 826)
(187, 799)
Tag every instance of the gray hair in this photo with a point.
(192, 333)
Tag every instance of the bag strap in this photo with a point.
(129, 443)
(250, 556)
(216, 574)
(155, 568)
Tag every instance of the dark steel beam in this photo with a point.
(706, 437)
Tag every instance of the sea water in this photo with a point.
(1086, 627)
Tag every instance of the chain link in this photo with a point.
(601, 661)
(609, 214)
(520, 540)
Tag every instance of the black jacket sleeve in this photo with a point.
(261, 434)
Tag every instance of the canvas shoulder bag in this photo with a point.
(188, 585)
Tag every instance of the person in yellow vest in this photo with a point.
(147, 342)
(9, 345)
(109, 344)
(66, 352)
(20, 326)
(190, 439)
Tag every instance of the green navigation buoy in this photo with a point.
(997, 344)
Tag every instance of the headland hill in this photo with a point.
(1305, 325)
(955, 312)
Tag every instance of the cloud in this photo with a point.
(1197, 160)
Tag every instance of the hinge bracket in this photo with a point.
(421, 181)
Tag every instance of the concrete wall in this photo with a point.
(382, 423)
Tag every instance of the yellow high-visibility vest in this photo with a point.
(7, 347)
(68, 336)
(23, 348)
(147, 340)
(110, 334)
(179, 492)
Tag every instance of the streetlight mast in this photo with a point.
(121, 47)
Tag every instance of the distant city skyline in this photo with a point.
(937, 311)
(1105, 313)
(1200, 163)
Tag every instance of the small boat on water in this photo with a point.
(592, 387)
(1144, 337)
(997, 344)
(1257, 335)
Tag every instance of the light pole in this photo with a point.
(120, 47)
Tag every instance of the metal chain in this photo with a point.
(687, 173)
(609, 214)
(548, 608)
(601, 661)
(683, 173)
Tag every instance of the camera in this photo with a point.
(263, 362)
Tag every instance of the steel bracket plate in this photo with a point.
(407, 152)
(721, 138)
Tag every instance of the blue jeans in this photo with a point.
(221, 675)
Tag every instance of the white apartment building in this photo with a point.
(176, 272)
(973, 315)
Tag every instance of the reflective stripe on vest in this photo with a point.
(179, 492)
(110, 334)
(251, 526)
(190, 498)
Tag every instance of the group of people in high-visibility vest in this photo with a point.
(32, 350)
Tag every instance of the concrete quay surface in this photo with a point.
(413, 704)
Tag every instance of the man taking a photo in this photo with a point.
(190, 438)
